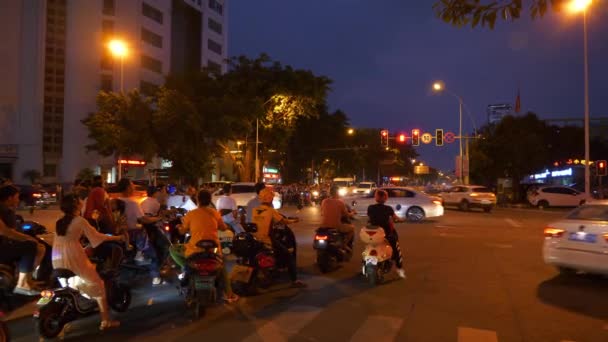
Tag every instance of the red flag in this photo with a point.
(517, 102)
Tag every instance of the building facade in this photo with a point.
(55, 60)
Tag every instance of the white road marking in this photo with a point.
(389, 326)
(284, 325)
(476, 335)
(499, 245)
(513, 223)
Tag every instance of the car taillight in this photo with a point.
(320, 237)
(37, 195)
(370, 233)
(554, 232)
(474, 194)
(606, 237)
(373, 252)
(204, 266)
(438, 202)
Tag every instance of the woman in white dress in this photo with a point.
(68, 253)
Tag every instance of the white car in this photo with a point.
(469, 196)
(364, 188)
(556, 196)
(243, 192)
(407, 203)
(579, 242)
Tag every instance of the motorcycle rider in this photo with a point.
(15, 248)
(254, 202)
(151, 205)
(9, 201)
(333, 211)
(265, 217)
(203, 223)
(68, 253)
(228, 209)
(137, 234)
(384, 216)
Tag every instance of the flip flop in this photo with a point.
(26, 292)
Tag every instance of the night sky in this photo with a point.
(384, 55)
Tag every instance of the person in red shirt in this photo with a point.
(98, 211)
(334, 212)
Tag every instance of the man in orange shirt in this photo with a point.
(203, 223)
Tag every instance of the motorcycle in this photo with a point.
(331, 248)
(60, 306)
(202, 277)
(257, 265)
(377, 254)
(172, 219)
(4, 335)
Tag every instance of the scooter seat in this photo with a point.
(206, 244)
(63, 273)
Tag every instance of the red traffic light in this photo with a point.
(384, 133)
(415, 137)
(601, 168)
(401, 138)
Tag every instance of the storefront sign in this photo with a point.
(558, 173)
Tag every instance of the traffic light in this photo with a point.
(401, 138)
(384, 137)
(601, 167)
(439, 137)
(415, 137)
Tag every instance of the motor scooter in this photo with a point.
(60, 306)
(4, 335)
(202, 277)
(377, 254)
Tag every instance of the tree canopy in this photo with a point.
(486, 12)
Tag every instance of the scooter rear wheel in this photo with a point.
(371, 272)
(4, 336)
(119, 297)
(324, 262)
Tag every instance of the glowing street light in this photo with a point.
(438, 86)
(119, 49)
(350, 131)
(578, 6)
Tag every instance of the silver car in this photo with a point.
(407, 203)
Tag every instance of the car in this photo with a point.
(140, 192)
(556, 196)
(364, 188)
(579, 241)
(408, 203)
(243, 192)
(466, 197)
(35, 196)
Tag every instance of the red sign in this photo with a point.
(449, 137)
(132, 162)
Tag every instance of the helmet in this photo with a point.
(266, 195)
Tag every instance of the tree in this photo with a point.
(85, 174)
(122, 125)
(473, 12)
(32, 175)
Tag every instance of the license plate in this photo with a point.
(485, 202)
(201, 284)
(44, 301)
(371, 260)
(584, 237)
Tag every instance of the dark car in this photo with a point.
(35, 196)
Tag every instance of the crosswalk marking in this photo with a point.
(389, 326)
(476, 335)
(285, 325)
(513, 223)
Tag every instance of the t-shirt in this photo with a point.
(264, 217)
(133, 212)
(150, 206)
(226, 202)
(332, 211)
(203, 224)
(8, 216)
(380, 215)
(252, 204)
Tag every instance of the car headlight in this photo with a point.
(315, 193)
(342, 192)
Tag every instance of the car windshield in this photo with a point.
(341, 183)
(590, 212)
(365, 186)
(481, 189)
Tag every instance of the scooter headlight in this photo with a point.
(342, 192)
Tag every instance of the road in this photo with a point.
(472, 277)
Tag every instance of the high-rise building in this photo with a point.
(496, 112)
(54, 60)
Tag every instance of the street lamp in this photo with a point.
(577, 6)
(439, 86)
(350, 131)
(118, 48)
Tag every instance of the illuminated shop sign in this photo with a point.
(558, 173)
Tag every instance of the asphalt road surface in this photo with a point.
(472, 277)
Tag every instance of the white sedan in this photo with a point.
(407, 203)
(579, 242)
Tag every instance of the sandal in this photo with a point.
(105, 325)
(232, 299)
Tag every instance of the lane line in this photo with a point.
(513, 223)
(388, 326)
(284, 325)
(476, 335)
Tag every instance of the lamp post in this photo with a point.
(439, 86)
(118, 48)
(577, 6)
